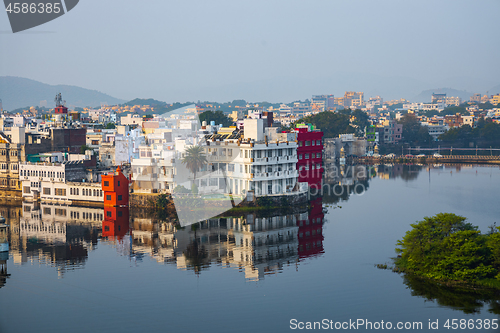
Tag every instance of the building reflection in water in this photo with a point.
(342, 181)
(60, 236)
(257, 243)
(4, 252)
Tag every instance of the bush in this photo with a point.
(445, 247)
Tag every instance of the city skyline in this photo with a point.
(260, 51)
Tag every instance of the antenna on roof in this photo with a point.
(58, 100)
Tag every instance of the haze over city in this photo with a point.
(277, 51)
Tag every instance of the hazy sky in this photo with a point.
(260, 49)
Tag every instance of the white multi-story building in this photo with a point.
(64, 183)
(132, 119)
(424, 106)
(153, 171)
(259, 161)
(453, 101)
(436, 129)
(116, 152)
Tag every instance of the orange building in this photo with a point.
(115, 188)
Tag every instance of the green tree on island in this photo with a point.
(446, 248)
(194, 158)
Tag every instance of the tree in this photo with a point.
(194, 159)
(217, 116)
(110, 126)
(445, 247)
(360, 121)
(332, 124)
(84, 148)
(413, 132)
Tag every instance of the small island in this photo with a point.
(448, 250)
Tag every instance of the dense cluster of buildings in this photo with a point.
(63, 158)
(63, 161)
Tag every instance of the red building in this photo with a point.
(310, 234)
(115, 188)
(310, 155)
(61, 109)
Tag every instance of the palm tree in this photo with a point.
(194, 159)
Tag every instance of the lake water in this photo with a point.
(71, 272)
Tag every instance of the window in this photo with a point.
(46, 190)
(318, 155)
(307, 156)
(106, 183)
(118, 183)
(230, 167)
(120, 197)
(108, 197)
(120, 213)
(300, 156)
(26, 189)
(229, 152)
(47, 211)
(60, 191)
(318, 142)
(308, 143)
(108, 213)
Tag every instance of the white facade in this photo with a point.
(266, 169)
(117, 152)
(424, 106)
(435, 130)
(131, 119)
(47, 182)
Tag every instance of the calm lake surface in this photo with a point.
(72, 272)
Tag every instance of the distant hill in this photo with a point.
(426, 95)
(495, 90)
(17, 92)
(142, 101)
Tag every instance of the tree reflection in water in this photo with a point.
(467, 300)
